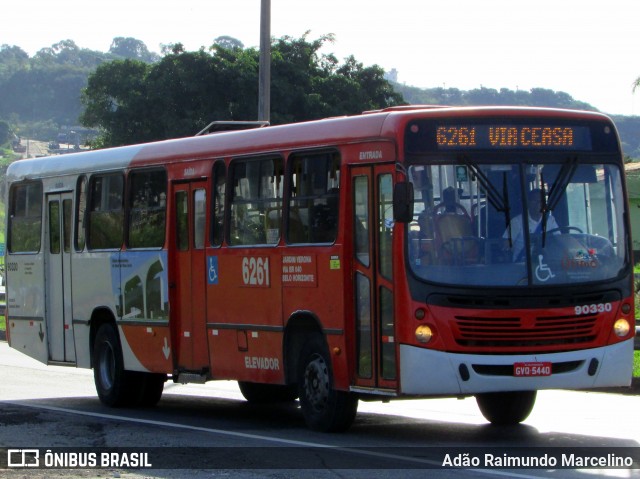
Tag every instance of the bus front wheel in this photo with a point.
(324, 408)
(505, 408)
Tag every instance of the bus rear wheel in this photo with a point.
(506, 408)
(116, 387)
(152, 388)
(324, 408)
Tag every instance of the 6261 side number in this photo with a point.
(255, 271)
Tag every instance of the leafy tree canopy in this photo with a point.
(227, 42)
(133, 102)
(127, 47)
(5, 132)
(176, 94)
(488, 96)
(47, 86)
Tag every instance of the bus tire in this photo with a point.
(324, 408)
(116, 387)
(153, 386)
(506, 408)
(258, 393)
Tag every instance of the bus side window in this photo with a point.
(25, 217)
(81, 211)
(256, 204)
(147, 208)
(105, 226)
(219, 191)
(314, 198)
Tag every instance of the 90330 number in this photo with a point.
(593, 308)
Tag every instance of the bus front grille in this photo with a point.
(509, 332)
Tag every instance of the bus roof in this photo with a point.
(374, 125)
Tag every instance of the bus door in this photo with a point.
(189, 276)
(373, 276)
(59, 317)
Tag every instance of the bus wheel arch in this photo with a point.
(113, 382)
(99, 317)
(324, 408)
(300, 326)
(116, 386)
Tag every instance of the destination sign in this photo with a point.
(447, 135)
(513, 137)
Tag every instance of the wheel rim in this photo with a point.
(107, 365)
(316, 382)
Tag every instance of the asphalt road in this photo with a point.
(208, 430)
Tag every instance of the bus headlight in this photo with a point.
(621, 327)
(424, 334)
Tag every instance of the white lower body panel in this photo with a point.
(427, 372)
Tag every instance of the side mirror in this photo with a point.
(403, 202)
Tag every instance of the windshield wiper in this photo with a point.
(543, 209)
(499, 201)
(507, 209)
(557, 190)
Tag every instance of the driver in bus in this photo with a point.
(515, 229)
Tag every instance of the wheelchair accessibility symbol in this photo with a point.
(543, 272)
(212, 269)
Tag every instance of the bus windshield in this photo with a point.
(517, 222)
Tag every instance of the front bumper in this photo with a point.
(425, 372)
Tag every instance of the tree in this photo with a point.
(127, 47)
(5, 132)
(12, 59)
(47, 86)
(227, 42)
(489, 96)
(183, 92)
(67, 53)
(115, 101)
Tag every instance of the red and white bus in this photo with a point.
(378, 256)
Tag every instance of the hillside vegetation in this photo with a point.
(41, 96)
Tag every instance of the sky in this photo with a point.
(586, 48)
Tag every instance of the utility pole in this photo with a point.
(264, 82)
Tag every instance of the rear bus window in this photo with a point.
(25, 218)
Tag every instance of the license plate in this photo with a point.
(531, 369)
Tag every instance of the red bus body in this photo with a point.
(273, 313)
